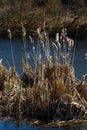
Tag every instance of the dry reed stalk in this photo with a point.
(52, 92)
(10, 37)
(24, 42)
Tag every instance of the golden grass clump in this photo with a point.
(12, 79)
(3, 76)
(48, 92)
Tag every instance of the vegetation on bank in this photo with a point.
(49, 92)
(58, 13)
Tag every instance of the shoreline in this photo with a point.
(39, 123)
(76, 26)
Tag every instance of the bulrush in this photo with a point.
(51, 91)
(12, 55)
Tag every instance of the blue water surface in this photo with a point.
(80, 60)
(23, 126)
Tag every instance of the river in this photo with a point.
(80, 65)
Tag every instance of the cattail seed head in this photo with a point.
(23, 30)
(9, 34)
(57, 37)
(31, 39)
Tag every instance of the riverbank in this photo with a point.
(76, 23)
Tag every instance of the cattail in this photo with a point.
(9, 34)
(49, 58)
(68, 39)
(31, 39)
(45, 33)
(0, 61)
(10, 37)
(24, 41)
(57, 37)
(31, 42)
(39, 56)
(84, 77)
(70, 44)
(38, 31)
(23, 30)
(55, 45)
(64, 32)
(59, 45)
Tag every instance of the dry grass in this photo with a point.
(46, 92)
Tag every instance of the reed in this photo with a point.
(10, 38)
(49, 92)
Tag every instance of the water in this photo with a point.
(80, 65)
(14, 126)
(5, 53)
(80, 59)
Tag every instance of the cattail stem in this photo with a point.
(25, 52)
(13, 61)
(10, 37)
